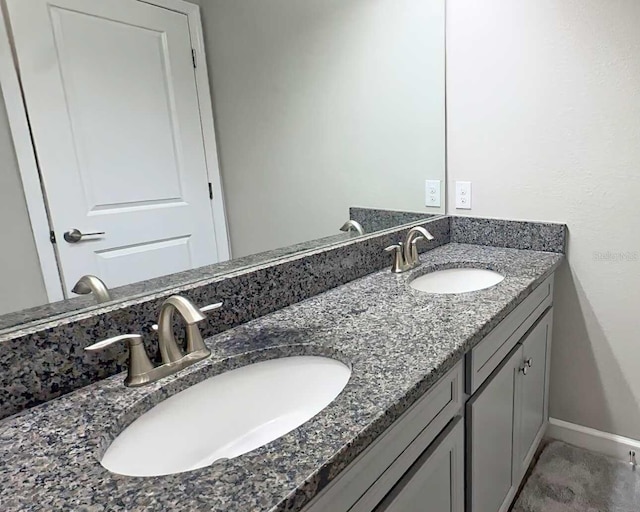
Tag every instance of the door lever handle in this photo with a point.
(74, 236)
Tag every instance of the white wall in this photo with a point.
(544, 119)
(21, 283)
(321, 105)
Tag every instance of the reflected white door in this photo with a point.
(111, 95)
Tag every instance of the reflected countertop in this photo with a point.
(48, 312)
(398, 341)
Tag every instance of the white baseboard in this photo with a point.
(612, 445)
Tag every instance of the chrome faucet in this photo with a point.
(92, 284)
(405, 254)
(347, 226)
(141, 369)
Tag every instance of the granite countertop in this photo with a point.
(398, 341)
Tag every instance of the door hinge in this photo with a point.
(193, 57)
(52, 237)
(210, 190)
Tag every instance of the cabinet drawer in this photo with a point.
(485, 357)
(400, 446)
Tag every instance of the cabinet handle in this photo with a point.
(528, 363)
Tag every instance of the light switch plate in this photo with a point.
(463, 195)
(432, 193)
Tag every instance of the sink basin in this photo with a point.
(456, 280)
(226, 416)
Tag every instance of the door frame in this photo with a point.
(34, 191)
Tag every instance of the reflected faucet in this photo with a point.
(92, 284)
(353, 224)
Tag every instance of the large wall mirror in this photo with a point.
(141, 139)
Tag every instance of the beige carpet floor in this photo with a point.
(569, 479)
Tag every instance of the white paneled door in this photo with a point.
(111, 95)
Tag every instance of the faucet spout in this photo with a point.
(92, 284)
(347, 226)
(405, 254)
(415, 234)
(191, 314)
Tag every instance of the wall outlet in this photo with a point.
(432, 193)
(463, 195)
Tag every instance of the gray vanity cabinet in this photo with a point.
(490, 415)
(416, 465)
(506, 419)
(432, 459)
(435, 483)
(532, 395)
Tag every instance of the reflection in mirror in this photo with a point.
(165, 138)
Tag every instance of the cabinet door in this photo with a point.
(532, 394)
(490, 417)
(435, 483)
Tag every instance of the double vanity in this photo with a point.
(384, 393)
(362, 350)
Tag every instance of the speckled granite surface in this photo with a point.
(398, 341)
(43, 361)
(375, 219)
(494, 232)
(536, 236)
(157, 285)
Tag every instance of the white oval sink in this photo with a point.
(226, 415)
(456, 280)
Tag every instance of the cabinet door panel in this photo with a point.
(375, 472)
(490, 435)
(436, 481)
(532, 393)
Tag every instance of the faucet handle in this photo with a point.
(195, 343)
(139, 362)
(100, 345)
(211, 307)
(398, 257)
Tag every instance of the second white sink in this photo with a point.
(226, 416)
(456, 280)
